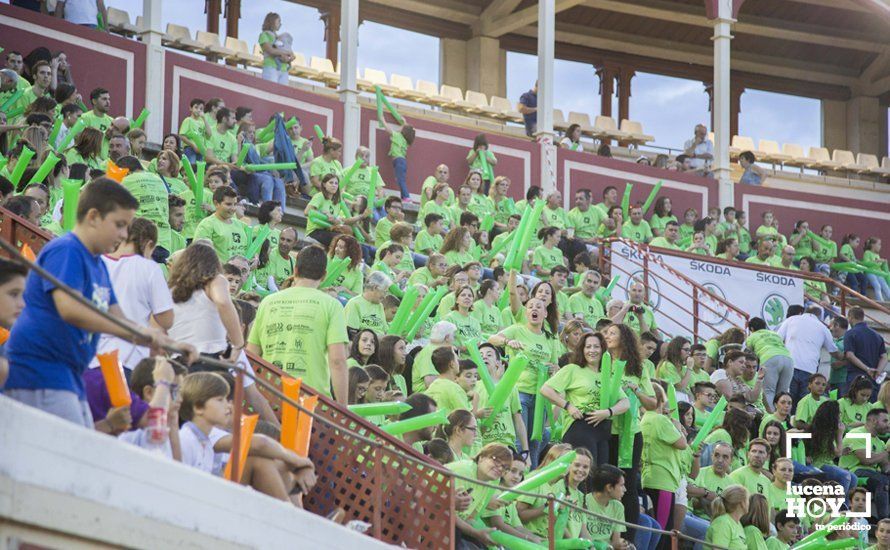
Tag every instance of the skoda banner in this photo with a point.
(757, 293)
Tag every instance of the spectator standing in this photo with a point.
(753, 175)
(83, 12)
(864, 349)
(314, 345)
(277, 54)
(774, 358)
(699, 150)
(528, 106)
(805, 337)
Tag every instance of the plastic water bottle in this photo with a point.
(156, 429)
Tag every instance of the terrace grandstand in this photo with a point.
(431, 315)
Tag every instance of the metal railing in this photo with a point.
(406, 497)
(701, 301)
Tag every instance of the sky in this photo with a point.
(667, 107)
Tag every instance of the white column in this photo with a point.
(348, 87)
(544, 135)
(154, 74)
(722, 26)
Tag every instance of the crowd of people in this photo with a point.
(497, 291)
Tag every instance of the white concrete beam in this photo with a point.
(154, 69)
(521, 18)
(348, 89)
(546, 54)
(721, 96)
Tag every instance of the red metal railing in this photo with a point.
(700, 302)
(407, 498)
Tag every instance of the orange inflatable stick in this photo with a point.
(248, 424)
(289, 413)
(115, 382)
(304, 425)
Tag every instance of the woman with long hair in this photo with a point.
(774, 434)
(533, 511)
(731, 382)
(358, 385)
(755, 522)
(87, 150)
(391, 357)
(327, 204)
(777, 491)
(782, 403)
(277, 54)
(662, 214)
(349, 283)
(623, 344)
(732, 339)
(849, 244)
(569, 337)
(571, 485)
(363, 349)
(871, 253)
(173, 143)
(676, 367)
(826, 444)
(576, 388)
(485, 308)
(543, 291)
(468, 327)
(542, 350)
(457, 245)
(460, 433)
(572, 138)
(438, 205)
(734, 432)
(855, 405)
(727, 510)
(502, 204)
(663, 443)
(168, 165)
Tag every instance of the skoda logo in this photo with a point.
(773, 310)
(713, 312)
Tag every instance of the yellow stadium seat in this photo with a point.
(884, 168)
(504, 109)
(846, 160)
(769, 151)
(119, 22)
(605, 127)
(740, 144)
(452, 94)
(430, 93)
(795, 154)
(476, 102)
(869, 163)
(239, 47)
(821, 159)
(299, 67)
(210, 42)
(378, 78)
(325, 69)
(181, 37)
(559, 120)
(634, 132)
(403, 86)
(582, 120)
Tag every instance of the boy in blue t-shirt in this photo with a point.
(55, 338)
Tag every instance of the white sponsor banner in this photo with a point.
(754, 292)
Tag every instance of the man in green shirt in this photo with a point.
(228, 235)
(786, 260)
(176, 220)
(280, 265)
(222, 145)
(441, 176)
(751, 475)
(639, 316)
(43, 78)
(430, 239)
(670, 237)
(862, 442)
(585, 305)
(98, 117)
(302, 329)
(714, 478)
(554, 215)
(152, 194)
(366, 310)
(610, 199)
(787, 531)
(636, 228)
(585, 218)
(393, 207)
(444, 390)
(764, 254)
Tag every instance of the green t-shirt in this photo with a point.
(727, 532)
(540, 350)
(352, 279)
(773, 543)
(360, 313)
(477, 162)
(772, 261)
(824, 254)
(754, 538)
(661, 461)
(599, 529)
(468, 468)
(278, 267)
(581, 386)
(539, 525)
(324, 206)
(480, 205)
(640, 233)
(428, 184)
(229, 239)
(468, 327)
(294, 328)
(852, 413)
(423, 367)
(556, 217)
(426, 243)
(588, 307)
(766, 344)
(501, 429)
(632, 320)
(849, 461)
(777, 497)
(268, 37)
(398, 145)
(224, 146)
(503, 209)
(848, 253)
(662, 242)
(455, 257)
(382, 229)
(73, 156)
(100, 122)
(708, 479)
(193, 216)
(755, 482)
(405, 264)
(421, 276)
(585, 223)
(448, 395)
(658, 223)
(152, 195)
(321, 168)
(489, 317)
(432, 207)
(807, 406)
(547, 258)
(194, 130)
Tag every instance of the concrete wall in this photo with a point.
(65, 487)
(858, 125)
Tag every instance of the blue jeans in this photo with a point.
(192, 155)
(271, 188)
(856, 282)
(798, 387)
(527, 402)
(879, 285)
(879, 486)
(419, 260)
(695, 527)
(400, 165)
(803, 471)
(846, 478)
(647, 540)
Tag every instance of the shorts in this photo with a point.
(61, 403)
(682, 498)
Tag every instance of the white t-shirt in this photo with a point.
(139, 438)
(805, 336)
(197, 448)
(142, 292)
(82, 12)
(704, 147)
